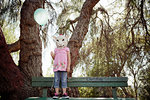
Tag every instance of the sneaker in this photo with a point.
(56, 96)
(65, 96)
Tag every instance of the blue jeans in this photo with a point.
(60, 76)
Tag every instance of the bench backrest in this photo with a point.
(83, 81)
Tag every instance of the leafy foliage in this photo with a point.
(66, 19)
(10, 14)
(116, 49)
(9, 9)
(145, 87)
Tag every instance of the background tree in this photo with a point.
(30, 62)
(115, 49)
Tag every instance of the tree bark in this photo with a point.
(14, 46)
(81, 30)
(30, 47)
(10, 76)
(77, 38)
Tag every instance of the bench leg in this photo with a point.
(114, 93)
(44, 92)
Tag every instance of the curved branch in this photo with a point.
(80, 31)
(93, 12)
(14, 46)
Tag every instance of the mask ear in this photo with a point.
(67, 36)
(54, 38)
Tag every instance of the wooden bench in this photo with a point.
(113, 82)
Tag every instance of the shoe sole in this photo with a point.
(64, 97)
(56, 98)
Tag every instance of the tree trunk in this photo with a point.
(77, 38)
(10, 75)
(81, 30)
(30, 47)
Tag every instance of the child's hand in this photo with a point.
(68, 69)
(52, 54)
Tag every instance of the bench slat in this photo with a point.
(97, 84)
(49, 79)
(42, 84)
(83, 82)
(99, 79)
(75, 79)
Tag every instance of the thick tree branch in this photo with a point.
(10, 75)
(71, 22)
(14, 46)
(147, 37)
(93, 12)
(80, 31)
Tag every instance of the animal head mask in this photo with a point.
(61, 41)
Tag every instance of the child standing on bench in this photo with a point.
(61, 66)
